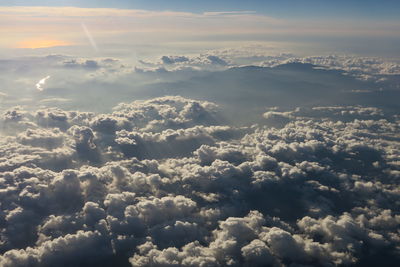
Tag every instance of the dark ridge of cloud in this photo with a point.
(89, 64)
(165, 182)
(174, 59)
(217, 60)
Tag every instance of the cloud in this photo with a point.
(89, 248)
(172, 181)
(167, 182)
(217, 60)
(198, 75)
(245, 156)
(363, 68)
(207, 61)
(42, 82)
(172, 60)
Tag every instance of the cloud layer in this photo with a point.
(252, 77)
(168, 182)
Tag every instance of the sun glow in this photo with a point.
(41, 43)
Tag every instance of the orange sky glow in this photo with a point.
(41, 43)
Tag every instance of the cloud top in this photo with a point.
(164, 182)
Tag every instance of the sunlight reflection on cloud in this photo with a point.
(41, 83)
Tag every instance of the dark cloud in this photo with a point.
(217, 60)
(174, 59)
(89, 64)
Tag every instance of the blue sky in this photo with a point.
(372, 9)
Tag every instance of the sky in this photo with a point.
(199, 133)
(372, 9)
(364, 28)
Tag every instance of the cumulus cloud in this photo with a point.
(168, 182)
(364, 68)
(206, 61)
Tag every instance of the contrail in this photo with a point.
(89, 36)
(41, 83)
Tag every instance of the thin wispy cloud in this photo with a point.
(89, 37)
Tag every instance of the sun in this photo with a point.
(41, 43)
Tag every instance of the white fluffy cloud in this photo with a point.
(162, 182)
